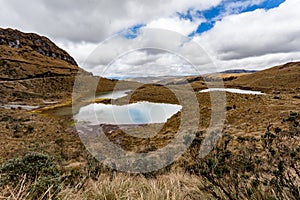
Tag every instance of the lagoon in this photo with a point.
(232, 90)
(130, 114)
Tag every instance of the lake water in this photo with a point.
(68, 110)
(136, 113)
(238, 91)
(113, 94)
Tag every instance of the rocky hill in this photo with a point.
(28, 55)
(17, 39)
(33, 67)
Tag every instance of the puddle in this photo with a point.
(113, 94)
(50, 102)
(134, 114)
(238, 91)
(16, 106)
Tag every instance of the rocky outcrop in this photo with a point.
(32, 67)
(26, 56)
(17, 39)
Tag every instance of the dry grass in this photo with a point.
(284, 78)
(172, 186)
(22, 191)
(122, 186)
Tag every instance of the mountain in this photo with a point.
(238, 71)
(32, 67)
(28, 55)
(283, 77)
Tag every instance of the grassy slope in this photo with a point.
(283, 77)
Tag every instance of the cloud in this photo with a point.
(80, 51)
(176, 24)
(80, 26)
(256, 38)
(89, 20)
(251, 40)
(247, 39)
(235, 7)
(154, 52)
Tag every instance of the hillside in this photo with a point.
(33, 68)
(237, 71)
(44, 155)
(28, 55)
(279, 78)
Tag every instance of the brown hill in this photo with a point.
(280, 78)
(17, 39)
(33, 67)
(28, 55)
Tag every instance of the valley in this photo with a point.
(256, 157)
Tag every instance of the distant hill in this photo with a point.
(282, 77)
(238, 71)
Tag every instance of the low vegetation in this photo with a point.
(257, 168)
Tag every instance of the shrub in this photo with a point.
(40, 170)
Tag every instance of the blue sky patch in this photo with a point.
(185, 16)
(132, 32)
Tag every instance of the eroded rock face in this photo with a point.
(40, 44)
(32, 68)
(26, 56)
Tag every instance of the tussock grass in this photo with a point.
(122, 186)
(174, 186)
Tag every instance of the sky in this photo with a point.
(120, 38)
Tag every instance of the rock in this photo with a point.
(277, 97)
(40, 44)
(229, 108)
(296, 97)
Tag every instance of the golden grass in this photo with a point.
(21, 191)
(174, 186)
(122, 186)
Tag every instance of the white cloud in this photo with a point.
(176, 24)
(80, 51)
(161, 64)
(89, 20)
(78, 26)
(154, 52)
(235, 7)
(248, 39)
(255, 39)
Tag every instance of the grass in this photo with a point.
(122, 186)
(246, 172)
(171, 186)
(175, 186)
(251, 161)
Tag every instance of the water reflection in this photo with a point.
(113, 94)
(238, 91)
(137, 113)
